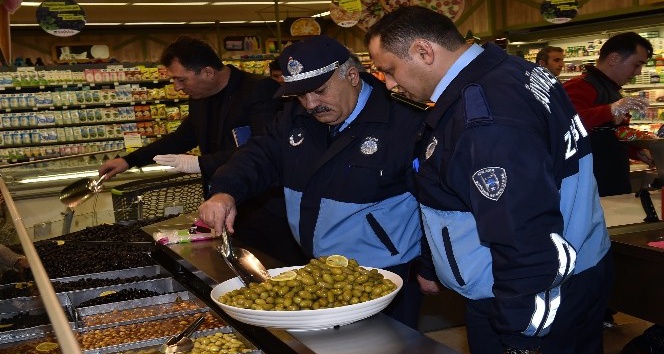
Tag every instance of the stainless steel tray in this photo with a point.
(163, 286)
(149, 271)
(123, 273)
(172, 323)
(29, 303)
(82, 313)
(35, 331)
(156, 343)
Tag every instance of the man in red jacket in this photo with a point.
(602, 108)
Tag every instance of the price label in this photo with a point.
(132, 140)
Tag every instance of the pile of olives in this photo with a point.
(318, 285)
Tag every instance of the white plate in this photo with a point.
(99, 51)
(305, 319)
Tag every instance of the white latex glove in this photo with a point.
(621, 108)
(182, 162)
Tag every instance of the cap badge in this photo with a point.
(294, 66)
(369, 146)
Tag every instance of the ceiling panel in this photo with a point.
(130, 12)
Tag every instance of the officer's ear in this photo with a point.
(422, 49)
(353, 75)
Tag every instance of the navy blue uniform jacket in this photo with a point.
(351, 198)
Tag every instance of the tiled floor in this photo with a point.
(615, 338)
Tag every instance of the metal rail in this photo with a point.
(66, 337)
(57, 158)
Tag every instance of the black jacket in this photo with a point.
(248, 101)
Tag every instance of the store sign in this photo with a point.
(559, 11)
(239, 43)
(346, 13)
(61, 18)
(306, 26)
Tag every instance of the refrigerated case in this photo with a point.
(176, 273)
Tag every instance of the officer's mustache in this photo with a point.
(319, 109)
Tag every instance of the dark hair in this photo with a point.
(543, 54)
(274, 65)
(192, 53)
(625, 45)
(398, 29)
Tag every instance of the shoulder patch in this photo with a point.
(491, 182)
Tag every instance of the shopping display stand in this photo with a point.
(153, 197)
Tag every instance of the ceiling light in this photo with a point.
(245, 3)
(170, 3)
(305, 2)
(213, 22)
(30, 3)
(155, 23)
(322, 14)
(266, 21)
(103, 23)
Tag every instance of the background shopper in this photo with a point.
(343, 154)
(552, 58)
(509, 204)
(224, 101)
(602, 108)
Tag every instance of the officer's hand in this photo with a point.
(621, 108)
(645, 156)
(428, 287)
(219, 212)
(112, 167)
(181, 163)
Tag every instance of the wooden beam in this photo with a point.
(531, 3)
(5, 38)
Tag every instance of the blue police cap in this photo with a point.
(308, 64)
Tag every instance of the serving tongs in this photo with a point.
(181, 343)
(242, 262)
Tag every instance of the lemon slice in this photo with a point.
(46, 346)
(23, 285)
(287, 275)
(336, 261)
(107, 292)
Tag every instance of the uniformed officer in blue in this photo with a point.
(343, 151)
(509, 203)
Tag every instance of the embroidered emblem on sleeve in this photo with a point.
(491, 181)
(369, 146)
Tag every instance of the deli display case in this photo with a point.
(110, 288)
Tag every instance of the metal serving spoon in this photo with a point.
(182, 343)
(79, 191)
(242, 262)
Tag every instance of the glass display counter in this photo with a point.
(110, 288)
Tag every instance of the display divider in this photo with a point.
(59, 322)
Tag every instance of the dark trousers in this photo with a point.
(577, 328)
(610, 163)
(405, 307)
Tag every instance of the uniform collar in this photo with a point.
(471, 53)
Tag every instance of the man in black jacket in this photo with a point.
(223, 101)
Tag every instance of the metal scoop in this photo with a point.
(79, 191)
(242, 262)
(182, 343)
